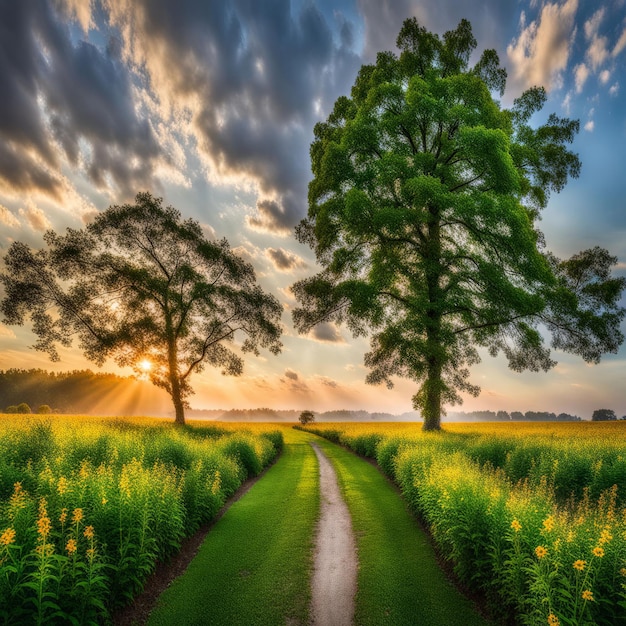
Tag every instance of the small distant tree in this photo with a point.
(603, 415)
(23, 408)
(11, 409)
(44, 409)
(306, 417)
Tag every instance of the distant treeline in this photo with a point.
(513, 416)
(80, 391)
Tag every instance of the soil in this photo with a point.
(335, 563)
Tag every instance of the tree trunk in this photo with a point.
(172, 363)
(433, 384)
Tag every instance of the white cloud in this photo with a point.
(597, 52)
(614, 89)
(581, 73)
(567, 102)
(604, 77)
(593, 24)
(590, 125)
(541, 52)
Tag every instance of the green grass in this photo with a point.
(399, 580)
(255, 565)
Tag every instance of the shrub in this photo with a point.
(44, 409)
(23, 408)
(11, 409)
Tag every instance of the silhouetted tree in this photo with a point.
(422, 212)
(603, 415)
(142, 284)
(306, 417)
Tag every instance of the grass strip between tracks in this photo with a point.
(399, 581)
(255, 565)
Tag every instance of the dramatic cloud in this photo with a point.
(253, 77)
(66, 103)
(327, 333)
(283, 260)
(540, 53)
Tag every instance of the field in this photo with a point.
(88, 506)
(531, 516)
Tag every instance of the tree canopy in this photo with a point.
(147, 288)
(422, 212)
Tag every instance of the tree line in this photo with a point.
(76, 391)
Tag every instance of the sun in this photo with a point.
(145, 365)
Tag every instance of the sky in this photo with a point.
(211, 105)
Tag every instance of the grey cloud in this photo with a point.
(283, 260)
(291, 374)
(327, 333)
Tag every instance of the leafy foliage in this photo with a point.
(422, 213)
(140, 283)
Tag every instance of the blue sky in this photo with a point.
(212, 104)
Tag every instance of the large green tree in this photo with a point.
(422, 212)
(145, 287)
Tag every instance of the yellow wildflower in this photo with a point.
(43, 525)
(71, 546)
(77, 516)
(540, 551)
(89, 532)
(587, 595)
(598, 551)
(553, 620)
(104, 500)
(7, 537)
(548, 524)
(90, 553)
(63, 516)
(605, 536)
(62, 485)
(516, 526)
(580, 565)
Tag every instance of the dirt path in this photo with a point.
(335, 570)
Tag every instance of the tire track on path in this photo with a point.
(334, 582)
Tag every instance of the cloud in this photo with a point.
(291, 374)
(36, 218)
(326, 333)
(614, 89)
(621, 44)
(6, 332)
(328, 382)
(605, 76)
(7, 218)
(252, 78)
(597, 52)
(590, 125)
(540, 53)
(581, 73)
(283, 260)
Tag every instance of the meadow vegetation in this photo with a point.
(532, 517)
(89, 506)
